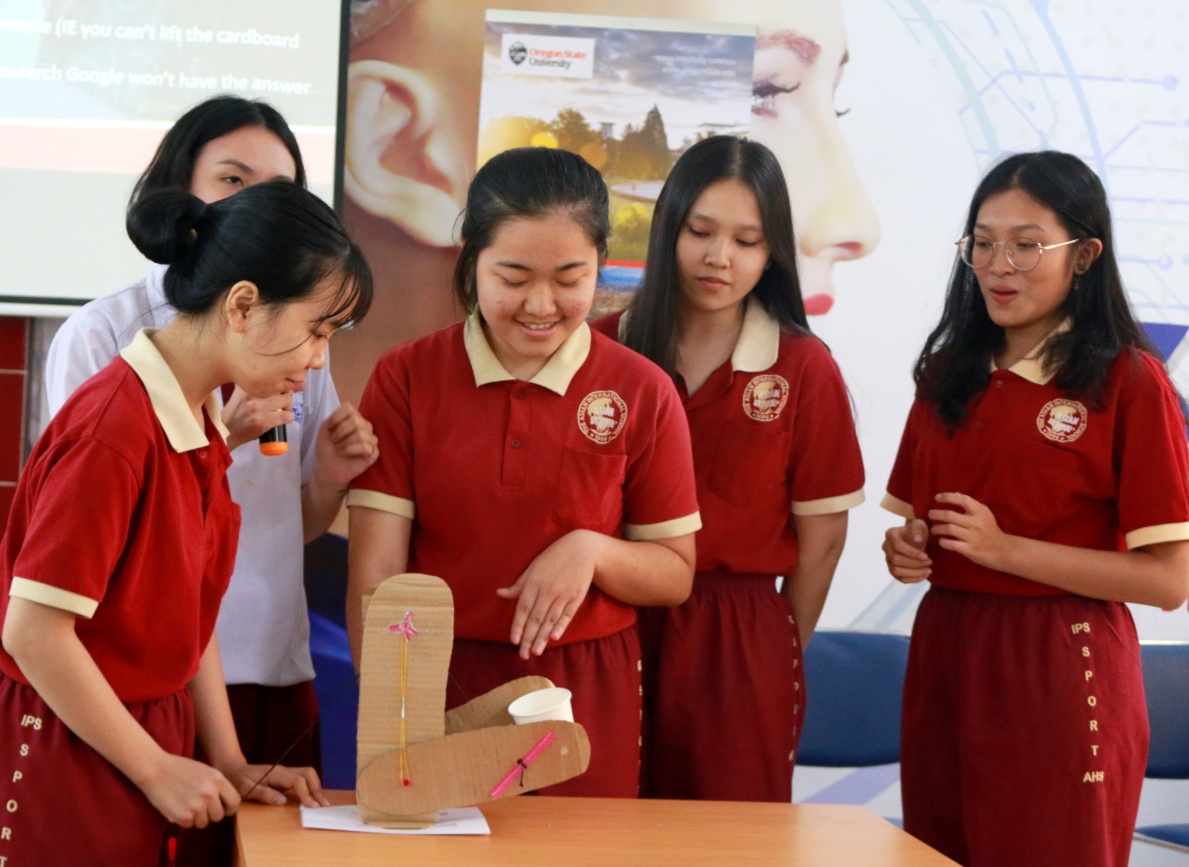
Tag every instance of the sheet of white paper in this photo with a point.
(467, 820)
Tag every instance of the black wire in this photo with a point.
(333, 703)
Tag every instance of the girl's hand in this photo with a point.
(973, 532)
(346, 446)
(550, 590)
(188, 793)
(300, 782)
(246, 418)
(904, 551)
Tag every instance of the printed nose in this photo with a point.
(841, 223)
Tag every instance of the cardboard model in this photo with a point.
(415, 759)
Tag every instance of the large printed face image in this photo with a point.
(931, 94)
(412, 127)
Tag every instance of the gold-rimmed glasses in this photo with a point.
(1023, 254)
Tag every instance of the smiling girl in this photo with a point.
(122, 537)
(777, 465)
(538, 468)
(1043, 479)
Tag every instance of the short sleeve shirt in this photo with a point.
(1052, 466)
(492, 470)
(272, 650)
(773, 436)
(123, 517)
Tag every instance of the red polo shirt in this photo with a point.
(492, 469)
(1051, 467)
(123, 516)
(773, 436)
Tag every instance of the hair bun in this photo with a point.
(165, 225)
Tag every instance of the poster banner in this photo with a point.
(884, 114)
(627, 94)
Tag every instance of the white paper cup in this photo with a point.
(543, 704)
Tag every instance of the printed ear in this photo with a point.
(392, 169)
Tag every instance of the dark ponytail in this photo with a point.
(280, 237)
(165, 227)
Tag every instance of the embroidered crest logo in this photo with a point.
(765, 396)
(602, 415)
(1062, 421)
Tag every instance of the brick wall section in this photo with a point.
(13, 342)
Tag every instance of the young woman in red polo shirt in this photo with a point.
(541, 470)
(122, 537)
(214, 150)
(1042, 476)
(777, 465)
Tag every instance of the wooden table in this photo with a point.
(532, 830)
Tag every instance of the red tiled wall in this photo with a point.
(13, 331)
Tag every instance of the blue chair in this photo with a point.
(854, 683)
(338, 701)
(334, 674)
(1166, 685)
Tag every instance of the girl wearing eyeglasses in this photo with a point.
(1042, 476)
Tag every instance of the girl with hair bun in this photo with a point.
(1042, 476)
(122, 536)
(541, 470)
(777, 465)
(214, 150)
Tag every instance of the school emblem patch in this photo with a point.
(602, 415)
(765, 396)
(1062, 421)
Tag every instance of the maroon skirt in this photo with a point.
(63, 803)
(724, 692)
(1024, 735)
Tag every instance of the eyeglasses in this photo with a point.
(1022, 254)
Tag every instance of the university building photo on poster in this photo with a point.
(627, 94)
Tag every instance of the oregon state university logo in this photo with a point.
(517, 52)
(1062, 420)
(765, 396)
(602, 415)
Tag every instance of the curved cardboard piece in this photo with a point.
(491, 708)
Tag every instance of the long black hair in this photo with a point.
(172, 165)
(955, 364)
(280, 237)
(528, 183)
(651, 325)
